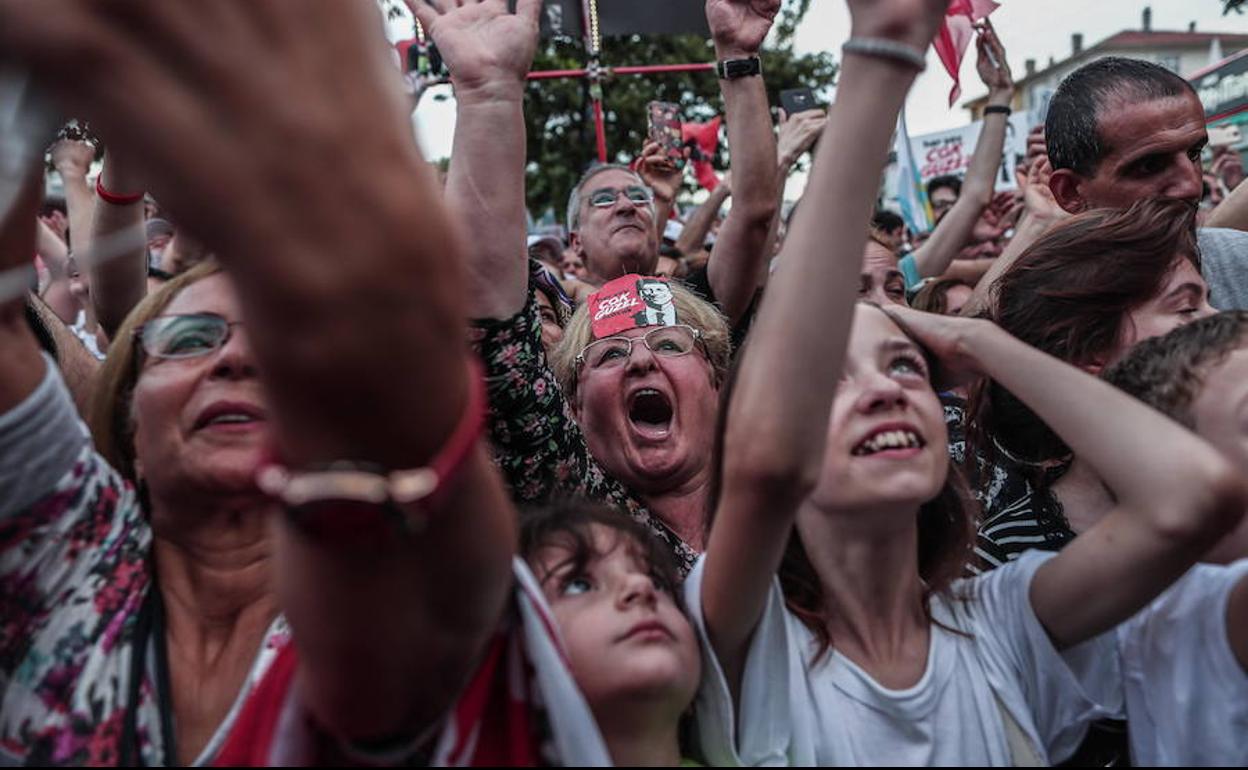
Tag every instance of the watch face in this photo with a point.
(739, 68)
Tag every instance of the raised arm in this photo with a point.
(1232, 212)
(664, 178)
(1040, 211)
(119, 281)
(700, 221)
(738, 28)
(951, 233)
(796, 136)
(23, 367)
(1176, 495)
(489, 52)
(72, 159)
(355, 312)
(777, 418)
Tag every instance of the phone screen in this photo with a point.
(665, 129)
(795, 100)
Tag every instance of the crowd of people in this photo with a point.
(312, 454)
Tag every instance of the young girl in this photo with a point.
(868, 650)
(611, 587)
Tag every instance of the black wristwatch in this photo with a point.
(731, 69)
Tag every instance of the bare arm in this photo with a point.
(969, 271)
(77, 365)
(797, 135)
(72, 158)
(23, 367)
(664, 178)
(1176, 494)
(1232, 212)
(1040, 213)
(362, 358)
(950, 235)
(489, 52)
(777, 419)
(739, 250)
(119, 283)
(694, 234)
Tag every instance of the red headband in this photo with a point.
(631, 302)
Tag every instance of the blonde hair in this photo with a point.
(690, 309)
(111, 414)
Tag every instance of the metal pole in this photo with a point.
(593, 46)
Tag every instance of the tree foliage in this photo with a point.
(561, 138)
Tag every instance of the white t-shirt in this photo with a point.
(835, 714)
(1186, 693)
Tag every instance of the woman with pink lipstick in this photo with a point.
(139, 574)
(836, 630)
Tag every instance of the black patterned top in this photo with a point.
(537, 443)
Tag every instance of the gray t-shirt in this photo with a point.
(1224, 262)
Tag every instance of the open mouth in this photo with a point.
(229, 415)
(889, 440)
(650, 412)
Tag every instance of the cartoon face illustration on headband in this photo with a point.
(660, 308)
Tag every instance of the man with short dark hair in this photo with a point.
(1119, 130)
(942, 193)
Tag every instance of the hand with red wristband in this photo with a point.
(118, 184)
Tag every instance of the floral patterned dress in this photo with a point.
(75, 574)
(537, 443)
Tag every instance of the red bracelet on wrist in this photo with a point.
(114, 198)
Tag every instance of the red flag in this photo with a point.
(955, 35)
(705, 141)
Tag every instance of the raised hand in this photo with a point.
(990, 63)
(738, 27)
(950, 339)
(798, 134)
(913, 22)
(659, 172)
(484, 45)
(72, 157)
(1038, 200)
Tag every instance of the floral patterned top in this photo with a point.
(74, 574)
(537, 443)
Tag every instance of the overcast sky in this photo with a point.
(1030, 29)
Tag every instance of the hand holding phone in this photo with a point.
(665, 130)
(795, 100)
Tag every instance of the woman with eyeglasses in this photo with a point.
(139, 590)
(138, 577)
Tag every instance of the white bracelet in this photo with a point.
(886, 49)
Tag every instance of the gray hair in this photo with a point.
(574, 200)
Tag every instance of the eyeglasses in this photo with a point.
(604, 197)
(666, 341)
(184, 336)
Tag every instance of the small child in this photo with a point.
(611, 586)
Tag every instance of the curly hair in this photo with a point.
(1168, 372)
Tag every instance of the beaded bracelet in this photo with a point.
(886, 49)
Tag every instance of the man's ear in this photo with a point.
(1066, 187)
